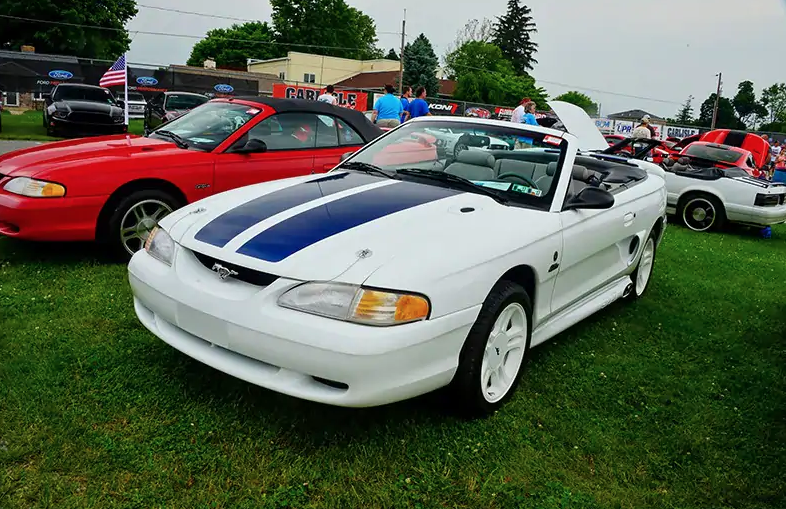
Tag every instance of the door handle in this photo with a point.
(629, 217)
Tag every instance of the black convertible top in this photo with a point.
(354, 118)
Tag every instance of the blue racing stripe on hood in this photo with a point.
(302, 230)
(232, 223)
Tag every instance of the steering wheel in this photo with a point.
(528, 181)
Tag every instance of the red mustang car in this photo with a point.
(722, 156)
(114, 189)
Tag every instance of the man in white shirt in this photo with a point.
(519, 112)
(328, 96)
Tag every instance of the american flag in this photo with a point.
(116, 75)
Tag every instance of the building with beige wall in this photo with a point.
(318, 69)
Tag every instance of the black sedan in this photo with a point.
(80, 110)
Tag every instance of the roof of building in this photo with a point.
(378, 80)
(354, 118)
(633, 115)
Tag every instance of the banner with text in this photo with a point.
(346, 98)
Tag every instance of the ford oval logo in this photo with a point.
(147, 80)
(223, 88)
(60, 75)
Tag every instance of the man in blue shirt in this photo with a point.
(388, 109)
(419, 107)
(406, 94)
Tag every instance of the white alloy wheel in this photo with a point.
(139, 220)
(645, 267)
(699, 214)
(504, 352)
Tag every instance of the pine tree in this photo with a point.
(420, 65)
(513, 34)
(392, 55)
(685, 115)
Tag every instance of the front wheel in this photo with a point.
(643, 273)
(491, 359)
(134, 217)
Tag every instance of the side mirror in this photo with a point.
(345, 156)
(591, 198)
(252, 146)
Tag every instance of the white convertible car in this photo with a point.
(704, 196)
(382, 280)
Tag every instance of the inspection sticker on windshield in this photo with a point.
(252, 111)
(502, 186)
(552, 140)
(518, 188)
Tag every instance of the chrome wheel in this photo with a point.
(138, 221)
(504, 353)
(699, 214)
(645, 267)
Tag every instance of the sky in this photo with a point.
(660, 52)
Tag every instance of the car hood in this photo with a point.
(52, 157)
(88, 106)
(345, 226)
(580, 125)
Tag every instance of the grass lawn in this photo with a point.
(29, 126)
(677, 401)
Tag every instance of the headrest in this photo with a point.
(551, 169)
(580, 173)
(667, 161)
(476, 157)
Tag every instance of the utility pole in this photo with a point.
(717, 100)
(401, 55)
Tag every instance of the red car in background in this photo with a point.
(115, 188)
(753, 143)
(722, 156)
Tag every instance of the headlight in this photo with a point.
(119, 120)
(34, 188)
(160, 245)
(356, 304)
(60, 114)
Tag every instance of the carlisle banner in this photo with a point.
(346, 98)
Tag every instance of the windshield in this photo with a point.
(522, 166)
(136, 96)
(100, 95)
(206, 127)
(715, 154)
(184, 102)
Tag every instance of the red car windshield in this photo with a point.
(206, 127)
(721, 155)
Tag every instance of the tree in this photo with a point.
(513, 34)
(475, 56)
(331, 26)
(727, 118)
(420, 65)
(774, 100)
(749, 109)
(685, 115)
(68, 40)
(583, 101)
(474, 30)
(225, 46)
(392, 55)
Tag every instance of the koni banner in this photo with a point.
(346, 98)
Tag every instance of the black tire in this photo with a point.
(701, 212)
(640, 285)
(467, 389)
(148, 199)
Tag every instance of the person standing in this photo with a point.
(518, 114)
(646, 122)
(419, 107)
(528, 117)
(405, 99)
(388, 109)
(328, 96)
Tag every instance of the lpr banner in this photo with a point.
(346, 98)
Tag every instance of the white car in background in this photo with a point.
(136, 105)
(454, 141)
(704, 197)
(388, 278)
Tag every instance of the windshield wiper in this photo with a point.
(367, 168)
(180, 142)
(453, 179)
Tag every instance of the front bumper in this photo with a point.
(64, 126)
(49, 219)
(239, 329)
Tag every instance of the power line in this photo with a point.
(182, 36)
(218, 16)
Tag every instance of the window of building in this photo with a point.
(282, 75)
(38, 96)
(309, 78)
(11, 98)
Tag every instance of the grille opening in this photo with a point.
(252, 277)
(331, 383)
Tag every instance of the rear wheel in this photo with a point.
(491, 359)
(702, 212)
(134, 217)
